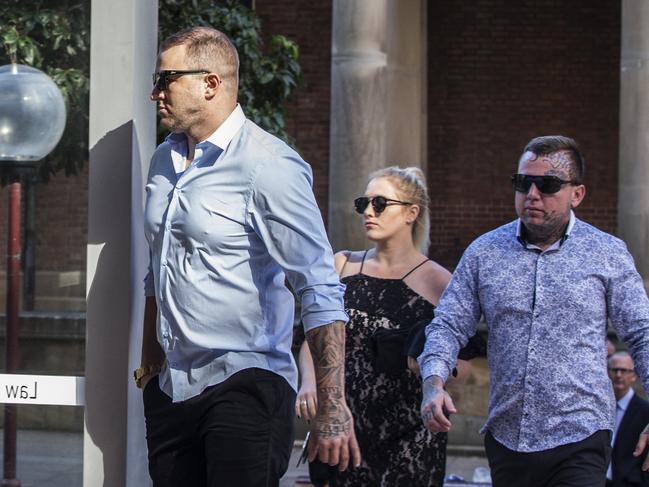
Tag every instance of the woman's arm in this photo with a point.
(306, 403)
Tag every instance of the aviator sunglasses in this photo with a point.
(161, 78)
(545, 184)
(379, 203)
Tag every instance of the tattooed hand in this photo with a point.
(436, 406)
(640, 447)
(334, 441)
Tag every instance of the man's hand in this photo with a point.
(643, 441)
(334, 441)
(333, 438)
(436, 406)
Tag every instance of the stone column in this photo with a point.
(122, 139)
(633, 197)
(377, 104)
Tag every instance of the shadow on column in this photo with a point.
(109, 301)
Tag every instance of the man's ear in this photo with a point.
(212, 85)
(578, 193)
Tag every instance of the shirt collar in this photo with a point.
(222, 136)
(521, 238)
(623, 403)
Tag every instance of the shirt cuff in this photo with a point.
(434, 367)
(316, 319)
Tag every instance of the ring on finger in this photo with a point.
(303, 402)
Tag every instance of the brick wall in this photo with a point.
(500, 73)
(61, 222)
(308, 24)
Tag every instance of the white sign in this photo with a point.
(59, 390)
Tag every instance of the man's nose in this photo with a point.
(533, 192)
(155, 94)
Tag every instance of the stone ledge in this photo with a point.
(58, 325)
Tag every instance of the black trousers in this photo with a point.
(237, 433)
(580, 464)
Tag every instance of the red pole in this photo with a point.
(11, 359)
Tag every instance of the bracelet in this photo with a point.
(142, 372)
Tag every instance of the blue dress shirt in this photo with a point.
(546, 314)
(223, 235)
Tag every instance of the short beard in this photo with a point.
(548, 233)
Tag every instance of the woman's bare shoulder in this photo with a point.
(347, 260)
(431, 281)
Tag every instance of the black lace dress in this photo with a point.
(397, 450)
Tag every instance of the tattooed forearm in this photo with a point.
(327, 346)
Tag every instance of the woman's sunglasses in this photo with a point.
(379, 203)
(545, 184)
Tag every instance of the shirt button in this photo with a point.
(164, 263)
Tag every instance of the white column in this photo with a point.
(377, 103)
(122, 139)
(633, 197)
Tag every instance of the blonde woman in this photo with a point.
(390, 288)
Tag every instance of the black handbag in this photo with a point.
(391, 347)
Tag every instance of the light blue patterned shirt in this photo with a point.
(223, 236)
(546, 314)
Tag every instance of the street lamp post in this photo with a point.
(32, 119)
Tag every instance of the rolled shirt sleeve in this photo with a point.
(285, 215)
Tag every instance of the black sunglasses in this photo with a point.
(161, 78)
(545, 184)
(379, 203)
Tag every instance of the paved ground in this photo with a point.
(48, 459)
(54, 459)
(460, 465)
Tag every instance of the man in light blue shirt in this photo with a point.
(229, 216)
(547, 285)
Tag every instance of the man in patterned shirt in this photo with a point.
(546, 284)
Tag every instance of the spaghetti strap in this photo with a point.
(363, 261)
(415, 268)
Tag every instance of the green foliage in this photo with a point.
(54, 36)
(267, 78)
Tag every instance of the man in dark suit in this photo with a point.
(631, 416)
